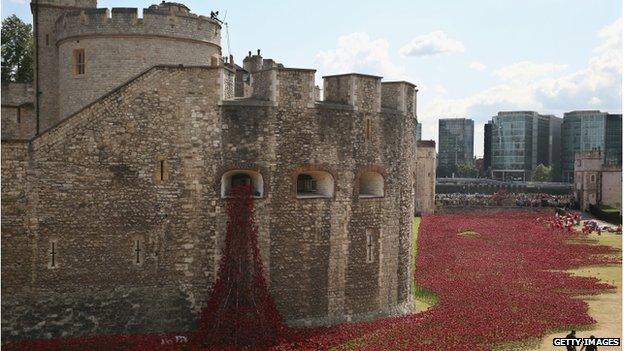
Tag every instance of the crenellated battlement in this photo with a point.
(399, 96)
(362, 91)
(65, 3)
(284, 86)
(164, 20)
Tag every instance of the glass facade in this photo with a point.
(584, 131)
(519, 141)
(487, 149)
(613, 140)
(455, 139)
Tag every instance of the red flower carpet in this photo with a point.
(498, 278)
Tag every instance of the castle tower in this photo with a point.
(45, 13)
(87, 52)
(252, 63)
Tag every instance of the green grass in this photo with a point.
(422, 295)
(608, 209)
(423, 299)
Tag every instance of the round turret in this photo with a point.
(98, 50)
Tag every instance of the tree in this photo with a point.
(542, 173)
(17, 50)
(467, 170)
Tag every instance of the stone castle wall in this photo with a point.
(18, 112)
(93, 187)
(120, 46)
(93, 193)
(425, 175)
(45, 15)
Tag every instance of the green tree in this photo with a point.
(17, 50)
(467, 170)
(542, 173)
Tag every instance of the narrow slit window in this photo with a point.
(161, 173)
(47, 39)
(137, 251)
(53, 255)
(368, 129)
(370, 247)
(79, 61)
(19, 115)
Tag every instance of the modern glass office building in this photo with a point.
(487, 149)
(518, 141)
(455, 140)
(613, 140)
(590, 130)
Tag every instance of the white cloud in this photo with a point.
(477, 66)
(357, 52)
(594, 101)
(545, 87)
(433, 43)
(528, 71)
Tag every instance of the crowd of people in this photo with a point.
(502, 198)
(593, 226)
(544, 200)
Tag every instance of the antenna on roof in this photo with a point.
(227, 34)
(215, 16)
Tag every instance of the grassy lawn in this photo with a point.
(423, 298)
(604, 308)
(608, 209)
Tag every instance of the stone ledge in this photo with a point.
(397, 310)
(248, 102)
(334, 106)
(391, 110)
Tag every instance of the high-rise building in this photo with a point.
(613, 140)
(455, 138)
(487, 149)
(518, 141)
(554, 146)
(584, 131)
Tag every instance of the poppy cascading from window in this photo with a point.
(240, 310)
(240, 179)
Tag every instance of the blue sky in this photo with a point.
(470, 58)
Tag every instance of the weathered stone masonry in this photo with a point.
(91, 188)
(129, 190)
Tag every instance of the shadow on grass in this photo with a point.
(420, 294)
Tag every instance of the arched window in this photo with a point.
(371, 185)
(234, 178)
(592, 178)
(315, 184)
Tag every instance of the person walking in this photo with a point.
(572, 335)
(590, 347)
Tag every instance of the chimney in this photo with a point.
(231, 60)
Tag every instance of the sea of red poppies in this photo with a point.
(501, 283)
